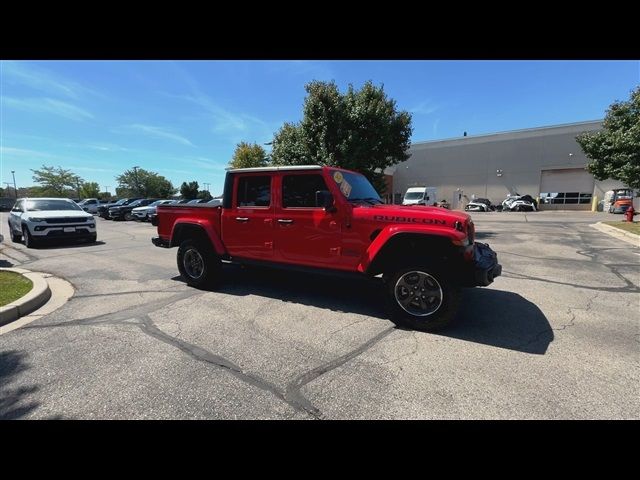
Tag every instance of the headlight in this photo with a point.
(35, 219)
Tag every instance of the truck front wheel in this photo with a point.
(198, 264)
(422, 298)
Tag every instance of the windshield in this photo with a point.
(355, 187)
(414, 196)
(44, 205)
(120, 202)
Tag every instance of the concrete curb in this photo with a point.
(618, 233)
(38, 296)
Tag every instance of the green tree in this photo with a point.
(361, 130)
(247, 155)
(56, 182)
(204, 194)
(614, 152)
(90, 190)
(143, 183)
(189, 190)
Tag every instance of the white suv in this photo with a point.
(142, 213)
(37, 220)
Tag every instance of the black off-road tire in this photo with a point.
(198, 264)
(435, 276)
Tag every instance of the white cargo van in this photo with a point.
(420, 196)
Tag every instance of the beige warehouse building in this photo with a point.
(544, 162)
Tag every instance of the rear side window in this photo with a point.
(254, 191)
(300, 190)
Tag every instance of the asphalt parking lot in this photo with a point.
(556, 337)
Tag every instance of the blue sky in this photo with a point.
(183, 119)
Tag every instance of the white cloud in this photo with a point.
(424, 108)
(158, 132)
(47, 105)
(236, 126)
(23, 73)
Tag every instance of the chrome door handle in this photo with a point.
(242, 219)
(285, 220)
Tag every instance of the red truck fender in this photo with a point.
(203, 224)
(454, 236)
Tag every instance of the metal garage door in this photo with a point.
(566, 189)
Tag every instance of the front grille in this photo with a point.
(66, 220)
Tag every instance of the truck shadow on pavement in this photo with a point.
(501, 319)
(13, 400)
(486, 316)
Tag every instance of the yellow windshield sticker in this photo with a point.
(337, 176)
(345, 188)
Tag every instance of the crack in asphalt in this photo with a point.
(93, 295)
(139, 317)
(405, 355)
(119, 316)
(147, 326)
(628, 288)
(293, 390)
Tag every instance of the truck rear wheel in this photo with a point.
(422, 298)
(198, 264)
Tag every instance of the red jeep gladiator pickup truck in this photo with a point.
(332, 220)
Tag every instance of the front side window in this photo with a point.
(254, 191)
(18, 206)
(300, 190)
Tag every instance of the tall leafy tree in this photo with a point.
(56, 182)
(247, 155)
(361, 130)
(143, 183)
(614, 151)
(205, 195)
(90, 190)
(189, 190)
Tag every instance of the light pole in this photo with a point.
(206, 185)
(78, 186)
(135, 175)
(15, 189)
(108, 187)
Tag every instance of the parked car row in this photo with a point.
(513, 203)
(141, 208)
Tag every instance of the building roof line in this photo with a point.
(507, 132)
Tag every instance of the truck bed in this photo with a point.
(199, 214)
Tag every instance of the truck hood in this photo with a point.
(57, 213)
(411, 214)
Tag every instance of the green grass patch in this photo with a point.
(12, 287)
(626, 226)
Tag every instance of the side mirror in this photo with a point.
(324, 199)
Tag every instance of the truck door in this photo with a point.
(305, 233)
(247, 227)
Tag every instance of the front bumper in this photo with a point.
(483, 268)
